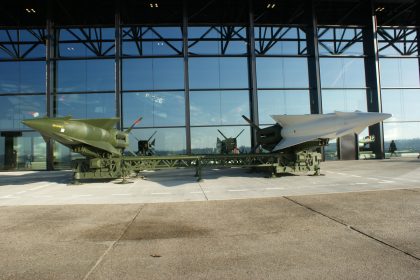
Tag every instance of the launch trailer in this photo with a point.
(123, 167)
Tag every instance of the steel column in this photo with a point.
(252, 74)
(313, 59)
(186, 76)
(118, 97)
(50, 78)
(372, 74)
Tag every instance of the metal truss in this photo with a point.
(14, 48)
(91, 37)
(268, 37)
(340, 44)
(139, 35)
(402, 40)
(226, 34)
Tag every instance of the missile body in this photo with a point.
(90, 137)
(297, 129)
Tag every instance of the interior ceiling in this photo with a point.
(22, 13)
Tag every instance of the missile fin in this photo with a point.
(289, 142)
(106, 124)
(359, 130)
(287, 120)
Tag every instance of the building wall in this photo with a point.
(190, 80)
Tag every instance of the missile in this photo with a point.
(89, 137)
(292, 131)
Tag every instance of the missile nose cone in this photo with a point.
(36, 124)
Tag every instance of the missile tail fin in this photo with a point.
(133, 125)
(251, 123)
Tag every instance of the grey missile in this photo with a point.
(298, 129)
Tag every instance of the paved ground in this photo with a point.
(51, 188)
(302, 235)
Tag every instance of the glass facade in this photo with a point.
(190, 79)
(400, 87)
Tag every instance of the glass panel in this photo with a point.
(219, 72)
(403, 104)
(168, 141)
(397, 72)
(218, 107)
(340, 41)
(343, 100)
(406, 136)
(282, 72)
(63, 156)
(398, 42)
(204, 139)
(156, 108)
(342, 72)
(153, 73)
(330, 151)
(85, 75)
(13, 109)
(84, 106)
(22, 77)
(279, 102)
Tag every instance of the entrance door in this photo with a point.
(10, 157)
(24, 151)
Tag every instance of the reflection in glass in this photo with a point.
(168, 141)
(342, 72)
(218, 107)
(83, 106)
(85, 75)
(221, 72)
(406, 136)
(403, 104)
(156, 108)
(399, 72)
(279, 102)
(284, 72)
(330, 151)
(153, 74)
(346, 100)
(14, 109)
(22, 77)
(204, 139)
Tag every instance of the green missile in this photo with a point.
(89, 137)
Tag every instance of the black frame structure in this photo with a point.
(45, 19)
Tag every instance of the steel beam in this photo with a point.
(373, 83)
